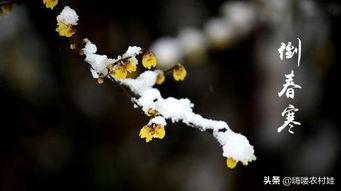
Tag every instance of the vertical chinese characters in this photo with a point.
(288, 51)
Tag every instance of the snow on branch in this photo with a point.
(235, 146)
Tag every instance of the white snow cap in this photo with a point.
(89, 47)
(158, 120)
(132, 51)
(98, 62)
(234, 145)
(68, 16)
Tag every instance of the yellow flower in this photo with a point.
(146, 132)
(179, 72)
(100, 79)
(50, 3)
(159, 132)
(160, 78)
(152, 131)
(149, 60)
(65, 30)
(151, 112)
(119, 72)
(131, 64)
(231, 163)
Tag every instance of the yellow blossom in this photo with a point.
(151, 112)
(231, 163)
(119, 72)
(146, 132)
(149, 60)
(65, 30)
(131, 64)
(50, 3)
(160, 78)
(100, 80)
(179, 72)
(159, 132)
(152, 131)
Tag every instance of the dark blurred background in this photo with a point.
(60, 130)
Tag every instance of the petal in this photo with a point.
(159, 132)
(179, 73)
(119, 72)
(149, 60)
(231, 163)
(146, 132)
(50, 3)
(160, 78)
(64, 30)
(131, 67)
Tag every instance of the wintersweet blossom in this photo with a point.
(119, 71)
(50, 3)
(131, 64)
(149, 60)
(65, 30)
(66, 21)
(152, 112)
(231, 163)
(154, 129)
(179, 72)
(100, 79)
(160, 78)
